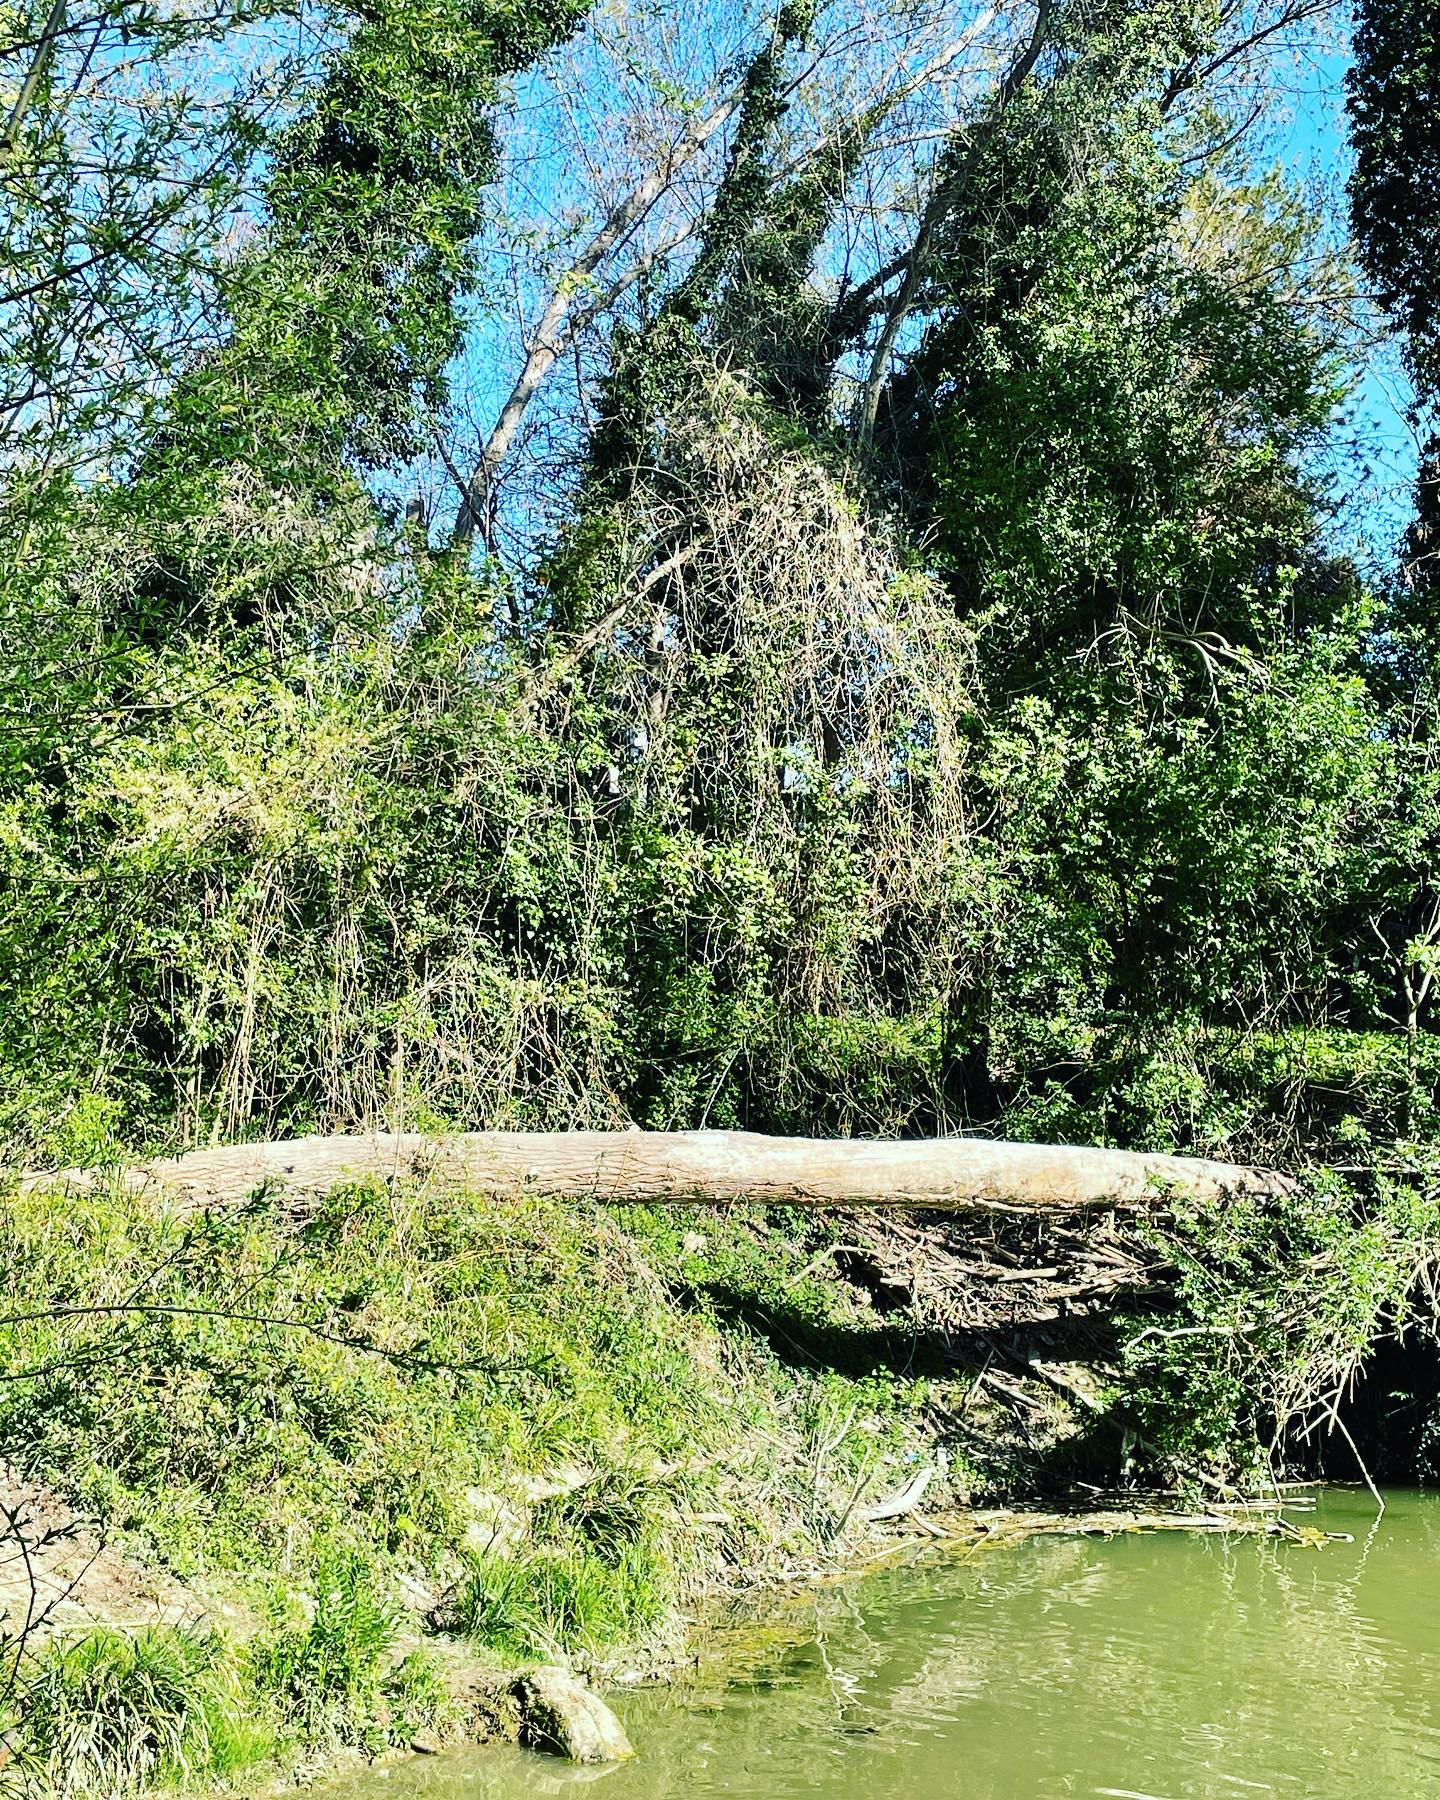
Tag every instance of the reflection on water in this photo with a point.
(1145, 1668)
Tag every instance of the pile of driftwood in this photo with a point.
(1119, 1514)
(998, 1271)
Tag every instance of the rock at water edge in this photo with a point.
(561, 1714)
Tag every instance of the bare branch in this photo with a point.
(549, 343)
(561, 324)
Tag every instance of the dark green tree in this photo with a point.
(1104, 432)
(1393, 93)
(1394, 101)
(348, 310)
(649, 372)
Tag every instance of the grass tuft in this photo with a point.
(115, 1711)
(327, 1676)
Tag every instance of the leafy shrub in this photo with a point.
(328, 1676)
(1277, 1306)
(417, 1698)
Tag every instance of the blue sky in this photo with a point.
(1313, 145)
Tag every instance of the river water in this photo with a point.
(1138, 1667)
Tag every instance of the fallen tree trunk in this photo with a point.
(671, 1167)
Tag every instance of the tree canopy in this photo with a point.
(786, 568)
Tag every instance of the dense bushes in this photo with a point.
(367, 859)
(434, 1382)
(1278, 1307)
(413, 1417)
(914, 695)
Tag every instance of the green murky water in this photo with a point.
(1142, 1668)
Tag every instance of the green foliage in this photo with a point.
(113, 1711)
(351, 800)
(1392, 91)
(1031, 762)
(117, 1711)
(347, 313)
(1206, 849)
(416, 1699)
(1106, 428)
(1278, 1305)
(261, 1440)
(539, 1603)
(119, 185)
(504, 1402)
(990, 775)
(327, 1676)
(1394, 99)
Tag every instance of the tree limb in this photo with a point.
(45, 49)
(936, 208)
(548, 344)
(560, 326)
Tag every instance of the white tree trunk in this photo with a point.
(670, 1167)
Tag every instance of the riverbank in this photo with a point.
(334, 1454)
(317, 1477)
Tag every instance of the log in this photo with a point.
(673, 1167)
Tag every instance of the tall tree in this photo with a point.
(1394, 101)
(1104, 431)
(348, 309)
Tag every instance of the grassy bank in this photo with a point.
(411, 1420)
(302, 1481)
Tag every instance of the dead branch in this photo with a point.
(549, 341)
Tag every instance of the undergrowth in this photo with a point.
(114, 1711)
(405, 1415)
(1277, 1305)
(540, 1427)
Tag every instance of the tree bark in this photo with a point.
(675, 1167)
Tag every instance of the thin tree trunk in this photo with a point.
(548, 342)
